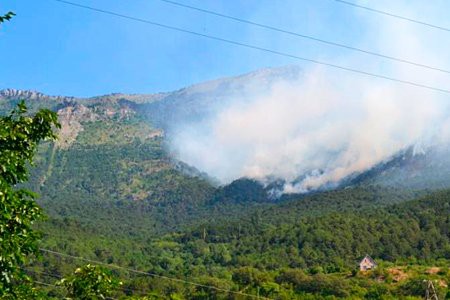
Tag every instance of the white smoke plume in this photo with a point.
(330, 124)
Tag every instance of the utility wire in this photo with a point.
(393, 15)
(249, 46)
(47, 284)
(42, 273)
(304, 36)
(152, 274)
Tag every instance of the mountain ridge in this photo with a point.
(159, 112)
(27, 94)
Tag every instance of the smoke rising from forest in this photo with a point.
(330, 124)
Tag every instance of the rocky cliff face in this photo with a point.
(71, 118)
(74, 113)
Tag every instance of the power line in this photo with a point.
(393, 15)
(304, 36)
(152, 274)
(42, 273)
(47, 284)
(249, 46)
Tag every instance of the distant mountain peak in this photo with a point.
(258, 77)
(28, 95)
(264, 74)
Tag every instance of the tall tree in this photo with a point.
(90, 283)
(19, 137)
(7, 16)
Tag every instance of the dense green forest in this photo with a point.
(284, 256)
(115, 195)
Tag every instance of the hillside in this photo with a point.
(119, 120)
(113, 152)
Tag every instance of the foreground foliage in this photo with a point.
(19, 136)
(90, 283)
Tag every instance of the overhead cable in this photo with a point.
(305, 36)
(249, 46)
(382, 12)
(152, 274)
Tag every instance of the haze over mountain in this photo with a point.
(274, 125)
(310, 127)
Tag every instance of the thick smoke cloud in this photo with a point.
(328, 124)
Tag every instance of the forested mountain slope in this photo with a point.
(115, 193)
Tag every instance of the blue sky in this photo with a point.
(64, 50)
